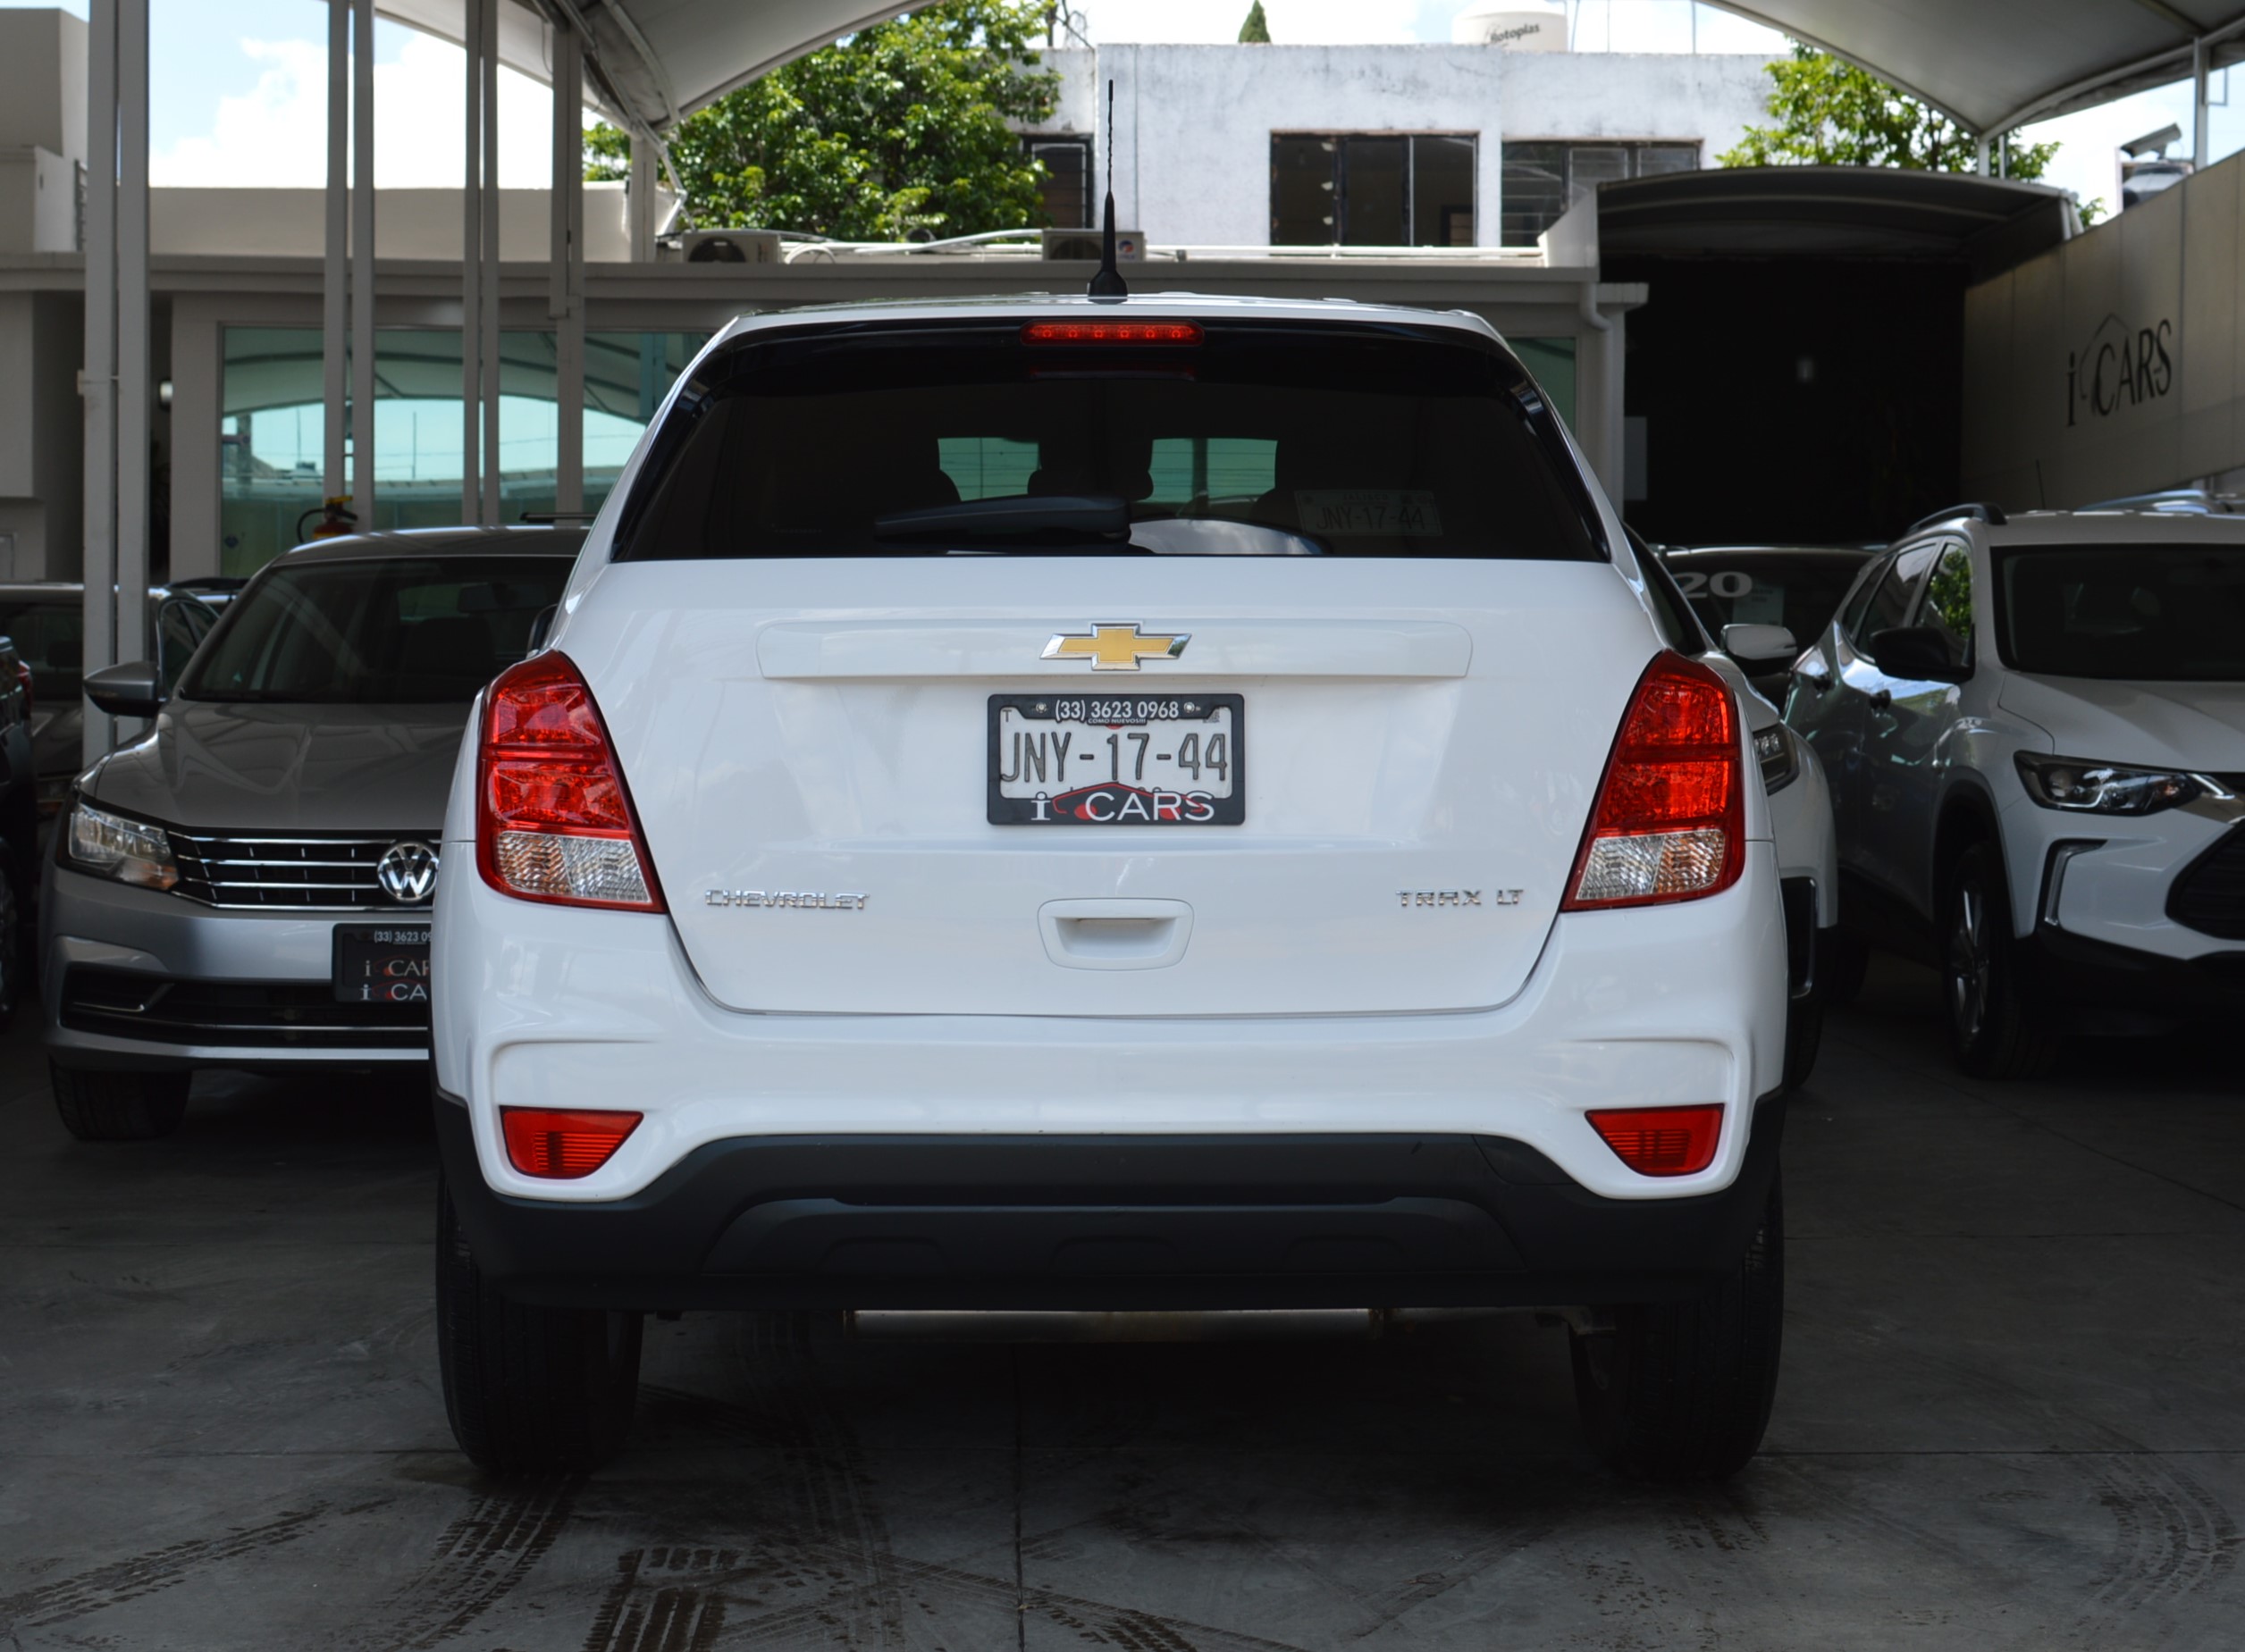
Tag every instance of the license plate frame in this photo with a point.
(1223, 715)
(364, 955)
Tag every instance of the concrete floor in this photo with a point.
(2012, 1416)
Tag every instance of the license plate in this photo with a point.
(1116, 759)
(381, 964)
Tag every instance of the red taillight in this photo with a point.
(559, 1145)
(1671, 820)
(23, 678)
(553, 820)
(1662, 1141)
(1110, 332)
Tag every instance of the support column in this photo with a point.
(332, 342)
(565, 304)
(472, 273)
(1980, 154)
(98, 380)
(362, 238)
(489, 327)
(639, 199)
(136, 382)
(2201, 69)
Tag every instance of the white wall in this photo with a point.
(1667, 95)
(40, 423)
(1193, 123)
(43, 81)
(408, 223)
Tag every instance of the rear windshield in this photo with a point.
(2139, 613)
(1256, 440)
(1801, 593)
(394, 632)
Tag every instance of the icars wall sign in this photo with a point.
(2119, 367)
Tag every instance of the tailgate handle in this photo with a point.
(1114, 935)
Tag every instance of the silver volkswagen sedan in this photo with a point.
(249, 883)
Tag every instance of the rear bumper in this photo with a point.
(1108, 1222)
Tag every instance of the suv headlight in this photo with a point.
(2093, 788)
(108, 845)
(1773, 750)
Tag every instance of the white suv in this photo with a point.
(1053, 804)
(2035, 733)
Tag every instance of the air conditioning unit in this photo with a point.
(1129, 245)
(728, 246)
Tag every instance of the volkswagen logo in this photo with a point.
(407, 872)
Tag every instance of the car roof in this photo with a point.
(1811, 553)
(1144, 307)
(2097, 527)
(528, 540)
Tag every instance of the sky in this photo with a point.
(238, 85)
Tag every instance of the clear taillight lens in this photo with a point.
(1670, 824)
(553, 820)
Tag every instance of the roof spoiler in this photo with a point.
(1992, 515)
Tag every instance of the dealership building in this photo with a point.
(1721, 342)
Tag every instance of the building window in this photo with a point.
(1066, 185)
(1541, 180)
(1372, 190)
(272, 450)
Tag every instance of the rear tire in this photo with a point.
(529, 1389)
(1681, 1390)
(118, 1106)
(1998, 1028)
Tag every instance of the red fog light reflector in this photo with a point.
(1670, 820)
(1662, 1141)
(559, 1145)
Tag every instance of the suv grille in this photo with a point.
(2209, 897)
(287, 872)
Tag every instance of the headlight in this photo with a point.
(109, 845)
(2093, 788)
(1773, 750)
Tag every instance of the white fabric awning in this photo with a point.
(1992, 65)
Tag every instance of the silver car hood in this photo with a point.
(278, 768)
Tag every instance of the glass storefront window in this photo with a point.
(273, 424)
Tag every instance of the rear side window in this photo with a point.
(1890, 602)
(1251, 439)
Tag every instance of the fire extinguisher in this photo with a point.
(335, 521)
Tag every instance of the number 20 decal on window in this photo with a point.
(1730, 583)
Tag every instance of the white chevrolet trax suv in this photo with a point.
(1178, 803)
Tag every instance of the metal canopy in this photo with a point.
(1985, 224)
(1995, 64)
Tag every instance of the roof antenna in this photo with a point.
(1106, 280)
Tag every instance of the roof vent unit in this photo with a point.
(1129, 245)
(728, 246)
(1512, 26)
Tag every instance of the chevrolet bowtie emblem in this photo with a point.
(1115, 648)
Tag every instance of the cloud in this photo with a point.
(274, 136)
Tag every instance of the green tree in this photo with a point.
(1256, 29)
(1827, 113)
(901, 127)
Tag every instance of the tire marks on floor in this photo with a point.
(478, 1560)
(664, 1600)
(2173, 1536)
(102, 1586)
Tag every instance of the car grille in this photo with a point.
(2209, 897)
(287, 872)
(270, 1015)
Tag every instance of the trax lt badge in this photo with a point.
(1458, 897)
(1113, 646)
